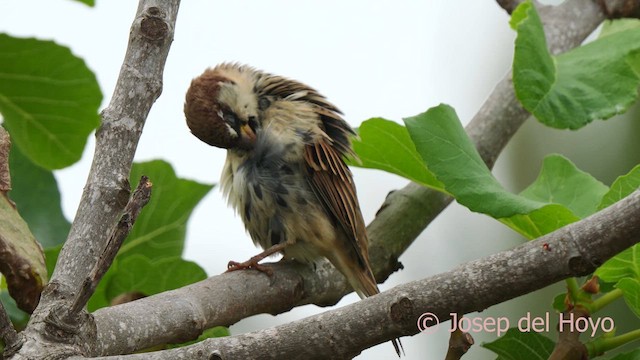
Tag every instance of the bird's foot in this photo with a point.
(249, 264)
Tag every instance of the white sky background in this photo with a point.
(371, 58)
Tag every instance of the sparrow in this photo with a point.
(285, 173)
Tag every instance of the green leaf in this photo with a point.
(561, 182)
(558, 302)
(35, 192)
(88, 2)
(161, 227)
(21, 258)
(631, 292)
(385, 145)
(516, 345)
(594, 81)
(613, 26)
(541, 221)
(623, 265)
(18, 317)
(49, 100)
(519, 14)
(621, 188)
(452, 157)
(633, 355)
(159, 233)
(140, 274)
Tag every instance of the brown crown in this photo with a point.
(201, 109)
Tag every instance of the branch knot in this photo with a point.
(153, 25)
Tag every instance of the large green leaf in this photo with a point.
(595, 81)
(49, 100)
(161, 227)
(631, 292)
(622, 187)
(385, 145)
(627, 263)
(561, 182)
(624, 265)
(542, 221)
(18, 317)
(517, 345)
(633, 355)
(35, 192)
(444, 146)
(159, 233)
(151, 276)
(613, 26)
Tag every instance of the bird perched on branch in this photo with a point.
(285, 173)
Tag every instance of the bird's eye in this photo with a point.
(263, 103)
(230, 118)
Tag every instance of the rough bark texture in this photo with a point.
(573, 250)
(107, 189)
(228, 298)
(342, 333)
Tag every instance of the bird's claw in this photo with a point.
(250, 264)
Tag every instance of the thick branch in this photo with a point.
(107, 188)
(573, 250)
(228, 298)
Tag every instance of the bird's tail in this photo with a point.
(363, 282)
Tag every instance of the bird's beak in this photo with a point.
(248, 133)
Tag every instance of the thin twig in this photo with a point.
(459, 344)
(121, 230)
(569, 346)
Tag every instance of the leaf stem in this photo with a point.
(604, 300)
(574, 289)
(604, 344)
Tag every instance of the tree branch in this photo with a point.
(402, 217)
(459, 344)
(107, 188)
(138, 200)
(575, 250)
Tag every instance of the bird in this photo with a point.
(285, 172)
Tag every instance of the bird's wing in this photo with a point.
(332, 182)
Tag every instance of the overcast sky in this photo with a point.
(387, 59)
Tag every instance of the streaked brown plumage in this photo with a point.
(285, 174)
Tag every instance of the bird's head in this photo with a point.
(222, 107)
